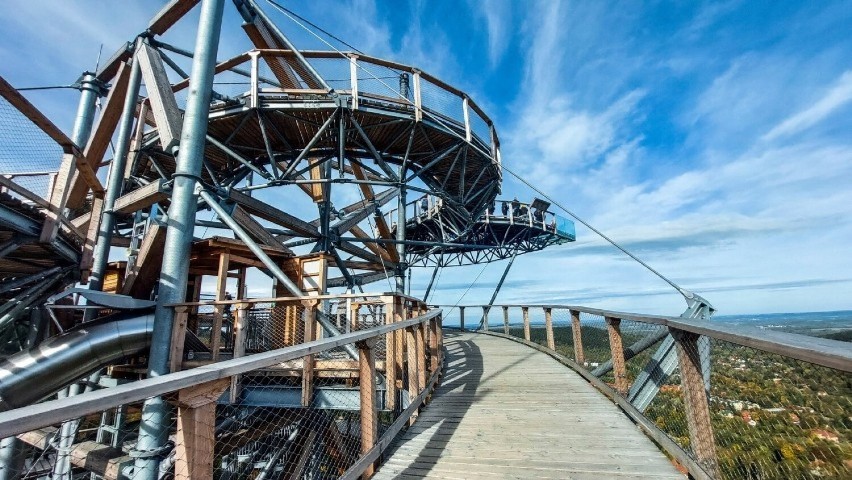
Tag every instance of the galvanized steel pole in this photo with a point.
(100, 255)
(154, 429)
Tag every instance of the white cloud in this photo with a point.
(838, 96)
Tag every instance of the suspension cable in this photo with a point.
(686, 293)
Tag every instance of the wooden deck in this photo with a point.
(504, 410)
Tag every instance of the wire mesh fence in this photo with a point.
(297, 412)
(27, 155)
(738, 412)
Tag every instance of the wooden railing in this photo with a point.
(616, 359)
(412, 338)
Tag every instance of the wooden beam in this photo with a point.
(87, 259)
(58, 198)
(260, 36)
(506, 320)
(169, 15)
(391, 372)
(309, 317)
(613, 328)
(548, 327)
(255, 229)
(178, 338)
(413, 373)
(14, 97)
(162, 100)
(367, 390)
(196, 429)
(526, 314)
(381, 224)
(101, 133)
(272, 214)
(143, 197)
(145, 272)
(701, 439)
(218, 310)
(577, 334)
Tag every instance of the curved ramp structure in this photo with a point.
(28, 377)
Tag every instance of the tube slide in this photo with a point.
(28, 377)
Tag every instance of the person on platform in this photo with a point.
(424, 205)
(516, 207)
(505, 208)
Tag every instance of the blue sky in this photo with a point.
(711, 138)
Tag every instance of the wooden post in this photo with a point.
(354, 321)
(577, 333)
(506, 320)
(701, 437)
(196, 425)
(178, 338)
(240, 326)
(369, 415)
(309, 317)
(548, 327)
(461, 318)
(421, 357)
(526, 312)
(399, 343)
(434, 345)
(411, 347)
(390, 352)
(485, 309)
(613, 327)
(221, 286)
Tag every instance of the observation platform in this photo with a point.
(504, 410)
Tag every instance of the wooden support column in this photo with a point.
(369, 414)
(577, 333)
(613, 327)
(196, 425)
(391, 372)
(485, 310)
(701, 438)
(434, 345)
(354, 312)
(421, 357)
(548, 327)
(240, 326)
(399, 343)
(526, 313)
(218, 310)
(461, 318)
(506, 320)
(309, 315)
(178, 338)
(87, 258)
(411, 348)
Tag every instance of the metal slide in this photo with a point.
(28, 377)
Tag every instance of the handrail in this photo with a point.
(820, 351)
(14, 422)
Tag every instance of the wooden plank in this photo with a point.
(381, 224)
(162, 100)
(506, 320)
(102, 133)
(260, 36)
(142, 197)
(196, 436)
(309, 317)
(177, 340)
(58, 197)
(411, 351)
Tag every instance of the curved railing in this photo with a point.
(725, 401)
(327, 405)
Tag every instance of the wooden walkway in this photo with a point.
(504, 410)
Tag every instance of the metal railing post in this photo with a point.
(485, 310)
(461, 318)
(613, 328)
(153, 431)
